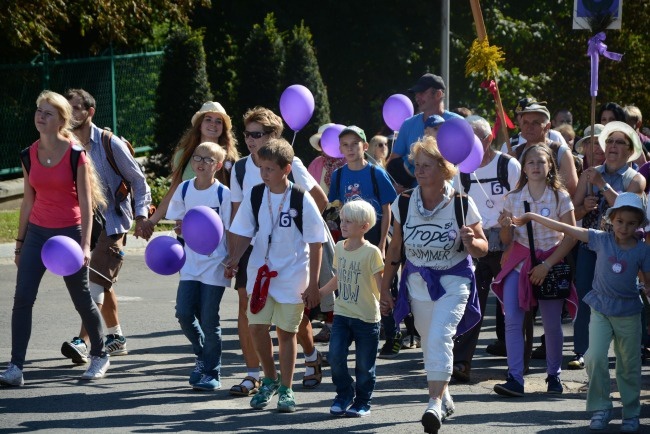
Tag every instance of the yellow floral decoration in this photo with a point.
(483, 59)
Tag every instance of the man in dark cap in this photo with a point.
(429, 96)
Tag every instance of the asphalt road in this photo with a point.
(146, 391)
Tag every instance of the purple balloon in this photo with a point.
(296, 106)
(397, 109)
(202, 229)
(164, 255)
(329, 141)
(473, 160)
(62, 255)
(455, 140)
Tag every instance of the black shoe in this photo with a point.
(539, 353)
(497, 348)
(391, 347)
(510, 388)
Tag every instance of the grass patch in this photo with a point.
(8, 225)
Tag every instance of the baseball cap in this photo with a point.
(354, 130)
(434, 121)
(525, 102)
(426, 81)
(536, 108)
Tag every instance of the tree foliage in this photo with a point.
(182, 89)
(80, 26)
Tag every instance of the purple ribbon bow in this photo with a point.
(597, 47)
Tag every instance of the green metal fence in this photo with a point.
(124, 88)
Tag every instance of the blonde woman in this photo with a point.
(378, 150)
(437, 283)
(53, 204)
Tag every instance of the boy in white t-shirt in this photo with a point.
(202, 281)
(359, 267)
(283, 266)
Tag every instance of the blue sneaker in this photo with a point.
(358, 410)
(197, 373)
(340, 405)
(207, 383)
(510, 388)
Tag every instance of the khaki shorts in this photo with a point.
(285, 316)
(106, 259)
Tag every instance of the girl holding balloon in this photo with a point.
(55, 205)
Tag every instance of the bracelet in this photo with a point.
(20, 240)
(548, 267)
(16, 251)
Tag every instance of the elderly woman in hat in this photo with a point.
(598, 188)
(210, 124)
(588, 146)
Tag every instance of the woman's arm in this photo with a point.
(392, 262)
(385, 224)
(85, 205)
(474, 240)
(506, 233)
(25, 211)
(319, 197)
(161, 210)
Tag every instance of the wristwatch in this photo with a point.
(606, 188)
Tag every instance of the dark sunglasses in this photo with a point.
(254, 134)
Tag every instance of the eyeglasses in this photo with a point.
(206, 160)
(255, 134)
(618, 142)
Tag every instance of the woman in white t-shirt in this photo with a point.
(437, 279)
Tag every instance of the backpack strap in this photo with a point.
(375, 186)
(339, 174)
(256, 202)
(502, 170)
(295, 203)
(461, 214)
(240, 171)
(184, 186)
(74, 162)
(220, 194)
(26, 159)
(403, 206)
(108, 150)
(465, 181)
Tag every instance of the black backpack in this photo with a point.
(295, 202)
(98, 218)
(502, 175)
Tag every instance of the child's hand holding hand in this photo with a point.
(311, 296)
(386, 302)
(505, 219)
(178, 229)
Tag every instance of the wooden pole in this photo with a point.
(482, 35)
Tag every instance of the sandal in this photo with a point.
(241, 389)
(312, 381)
(461, 372)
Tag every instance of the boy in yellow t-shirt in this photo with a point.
(359, 268)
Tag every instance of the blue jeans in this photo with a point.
(366, 339)
(197, 310)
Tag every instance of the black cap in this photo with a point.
(426, 81)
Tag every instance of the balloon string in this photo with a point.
(295, 133)
(462, 211)
(481, 187)
(100, 274)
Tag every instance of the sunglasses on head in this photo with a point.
(254, 134)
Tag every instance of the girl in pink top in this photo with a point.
(53, 204)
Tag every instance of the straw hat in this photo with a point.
(624, 128)
(213, 107)
(315, 139)
(580, 144)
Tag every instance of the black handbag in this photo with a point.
(557, 284)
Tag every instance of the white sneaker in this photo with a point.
(448, 407)
(12, 376)
(97, 368)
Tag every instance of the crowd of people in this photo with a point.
(419, 247)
